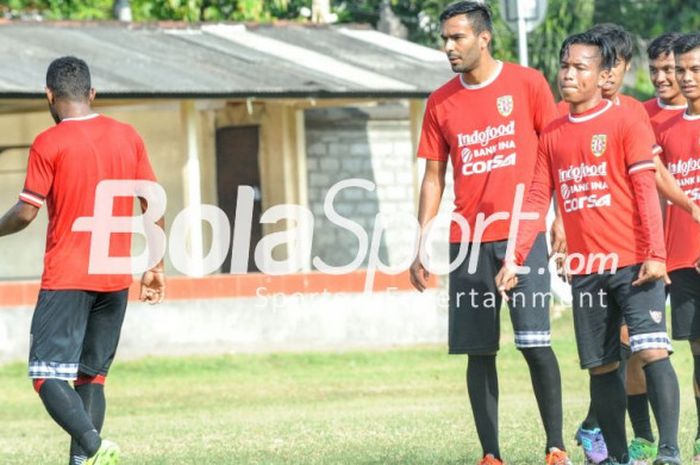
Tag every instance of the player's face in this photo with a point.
(663, 76)
(580, 75)
(615, 78)
(462, 46)
(688, 74)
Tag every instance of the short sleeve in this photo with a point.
(40, 174)
(144, 170)
(545, 109)
(639, 145)
(432, 145)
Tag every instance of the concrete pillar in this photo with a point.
(191, 177)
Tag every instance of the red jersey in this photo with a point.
(659, 113)
(489, 132)
(66, 162)
(680, 140)
(587, 159)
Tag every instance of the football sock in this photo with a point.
(696, 377)
(482, 386)
(590, 422)
(638, 409)
(91, 391)
(664, 397)
(609, 401)
(697, 411)
(66, 408)
(546, 382)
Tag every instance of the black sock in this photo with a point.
(697, 411)
(66, 408)
(664, 397)
(546, 382)
(638, 409)
(590, 422)
(93, 397)
(482, 385)
(609, 401)
(696, 378)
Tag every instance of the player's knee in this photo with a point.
(538, 354)
(604, 369)
(37, 383)
(647, 356)
(89, 379)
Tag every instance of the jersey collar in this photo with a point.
(481, 85)
(81, 118)
(688, 117)
(663, 106)
(587, 116)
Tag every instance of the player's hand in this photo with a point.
(153, 287)
(506, 279)
(558, 237)
(652, 270)
(419, 275)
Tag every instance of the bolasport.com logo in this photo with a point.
(234, 236)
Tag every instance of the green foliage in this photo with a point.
(650, 18)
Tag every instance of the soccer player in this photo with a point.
(669, 100)
(78, 317)
(599, 159)
(485, 121)
(679, 138)
(642, 447)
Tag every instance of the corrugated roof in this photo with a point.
(221, 60)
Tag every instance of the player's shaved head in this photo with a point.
(69, 78)
(478, 13)
(605, 53)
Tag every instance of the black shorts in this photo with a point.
(600, 302)
(685, 303)
(75, 331)
(475, 303)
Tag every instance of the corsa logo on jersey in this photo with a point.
(487, 135)
(590, 201)
(485, 166)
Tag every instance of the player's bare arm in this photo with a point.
(431, 190)
(153, 280)
(17, 218)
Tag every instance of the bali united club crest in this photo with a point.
(599, 143)
(505, 105)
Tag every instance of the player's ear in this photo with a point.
(484, 40)
(91, 95)
(603, 77)
(49, 95)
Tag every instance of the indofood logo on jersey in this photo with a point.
(487, 135)
(505, 105)
(684, 167)
(577, 173)
(599, 143)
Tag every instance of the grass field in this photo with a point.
(400, 406)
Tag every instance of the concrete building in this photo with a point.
(287, 109)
